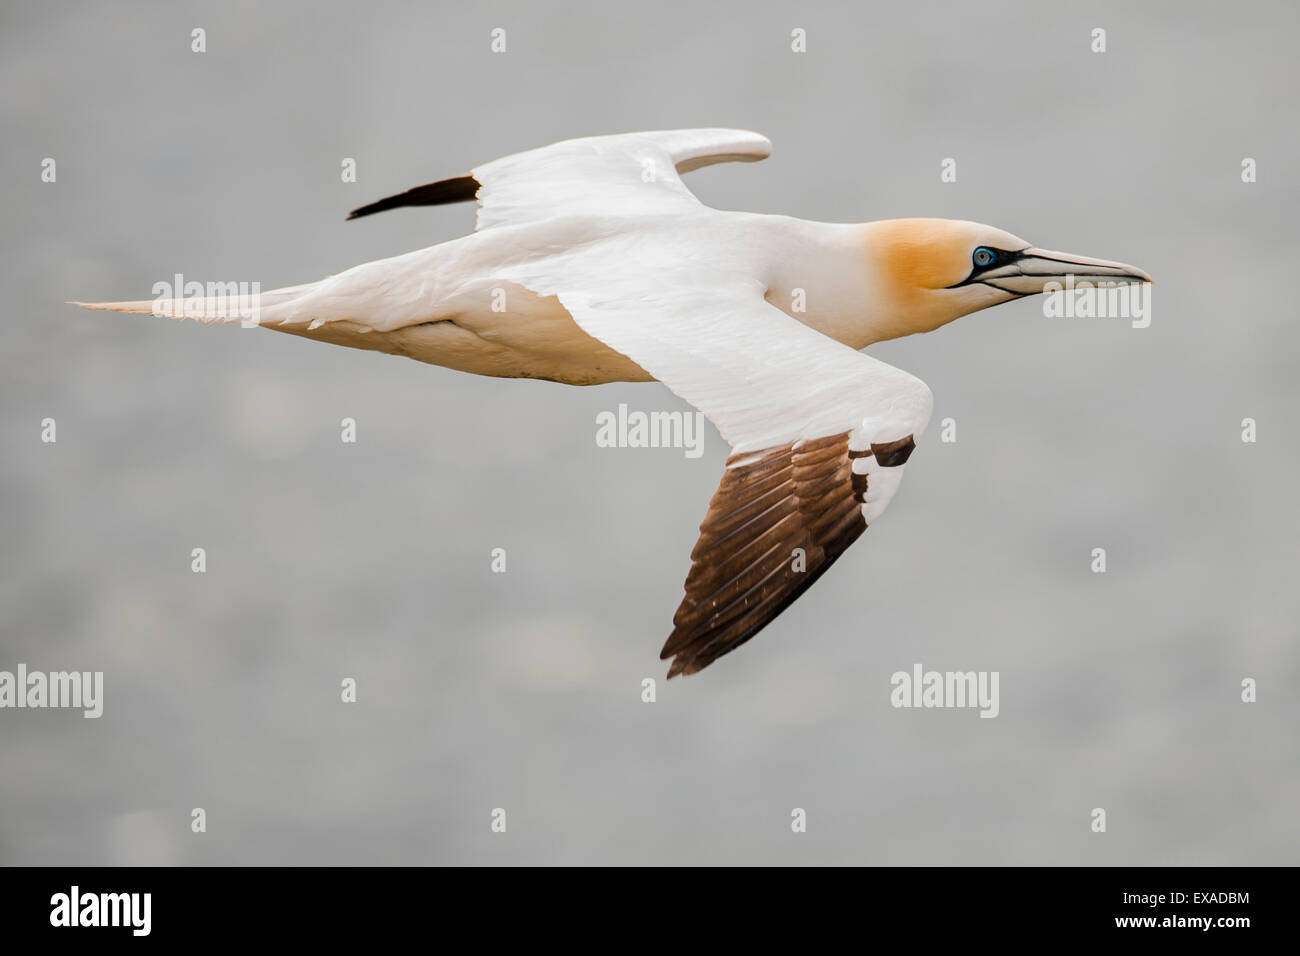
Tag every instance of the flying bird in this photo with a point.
(592, 262)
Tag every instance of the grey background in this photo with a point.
(522, 690)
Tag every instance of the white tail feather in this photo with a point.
(247, 308)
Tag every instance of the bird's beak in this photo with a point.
(1034, 269)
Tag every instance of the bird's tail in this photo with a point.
(221, 302)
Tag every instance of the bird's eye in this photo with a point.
(984, 256)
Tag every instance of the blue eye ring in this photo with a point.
(984, 257)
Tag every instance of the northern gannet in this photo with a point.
(592, 262)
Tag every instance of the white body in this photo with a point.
(592, 262)
(466, 304)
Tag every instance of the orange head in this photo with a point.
(931, 271)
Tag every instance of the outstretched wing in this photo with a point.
(819, 432)
(608, 175)
(779, 519)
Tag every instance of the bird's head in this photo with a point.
(932, 271)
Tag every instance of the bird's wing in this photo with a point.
(606, 175)
(819, 434)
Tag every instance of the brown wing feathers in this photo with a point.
(460, 189)
(745, 571)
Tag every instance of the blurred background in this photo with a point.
(523, 690)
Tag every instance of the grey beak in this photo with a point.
(1035, 268)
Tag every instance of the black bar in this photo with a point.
(377, 904)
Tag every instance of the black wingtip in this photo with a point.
(459, 189)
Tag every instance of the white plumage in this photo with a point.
(593, 262)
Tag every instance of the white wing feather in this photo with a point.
(629, 173)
